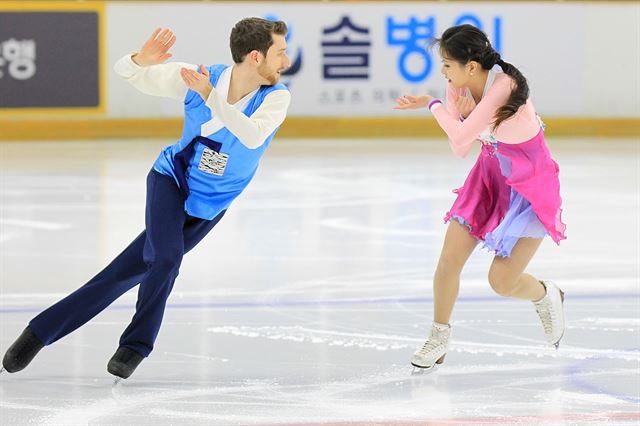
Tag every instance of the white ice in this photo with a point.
(304, 304)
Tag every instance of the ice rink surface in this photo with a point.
(304, 305)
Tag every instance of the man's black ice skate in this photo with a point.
(23, 350)
(124, 362)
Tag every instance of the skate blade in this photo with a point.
(420, 370)
(423, 371)
(118, 389)
(557, 344)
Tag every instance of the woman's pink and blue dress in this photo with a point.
(512, 192)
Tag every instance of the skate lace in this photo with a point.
(435, 340)
(546, 315)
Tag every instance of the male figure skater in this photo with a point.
(231, 114)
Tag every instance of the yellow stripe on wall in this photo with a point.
(21, 129)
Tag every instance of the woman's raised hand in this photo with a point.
(465, 105)
(412, 102)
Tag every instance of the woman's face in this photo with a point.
(455, 73)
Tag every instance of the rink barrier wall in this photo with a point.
(297, 127)
(121, 113)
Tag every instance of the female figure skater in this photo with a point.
(511, 198)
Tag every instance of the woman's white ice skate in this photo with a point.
(434, 349)
(551, 312)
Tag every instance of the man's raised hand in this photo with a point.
(198, 82)
(156, 49)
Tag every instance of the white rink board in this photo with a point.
(580, 59)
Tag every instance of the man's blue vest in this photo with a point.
(211, 170)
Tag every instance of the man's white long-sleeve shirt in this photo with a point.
(165, 80)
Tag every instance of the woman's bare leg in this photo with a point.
(458, 246)
(507, 276)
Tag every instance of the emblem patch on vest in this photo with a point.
(213, 162)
